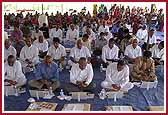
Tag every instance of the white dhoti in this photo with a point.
(108, 85)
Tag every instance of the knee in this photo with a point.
(31, 82)
(93, 85)
(24, 81)
(57, 83)
(104, 84)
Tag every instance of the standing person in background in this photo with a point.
(42, 19)
(45, 30)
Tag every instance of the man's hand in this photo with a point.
(84, 85)
(107, 63)
(79, 83)
(30, 65)
(40, 51)
(116, 87)
(132, 60)
(46, 82)
(28, 61)
(12, 82)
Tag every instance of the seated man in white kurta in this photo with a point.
(56, 32)
(9, 49)
(42, 45)
(13, 73)
(72, 33)
(133, 51)
(158, 53)
(36, 33)
(57, 51)
(29, 56)
(142, 34)
(81, 76)
(117, 77)
(110, 52)
(79, 51)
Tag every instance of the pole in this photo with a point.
(42, 8)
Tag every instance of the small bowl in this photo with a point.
(31, 100)
(68, 98)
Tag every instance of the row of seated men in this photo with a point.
(81, 73)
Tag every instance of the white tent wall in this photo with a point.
(65, 6)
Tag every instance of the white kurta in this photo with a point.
(103, 29)
(10, 51)
(161, 55)
(113, 76)
(109, 36)
(76, 74)
(14, 73)
(71, 35)
(92, 36)
(54, 33)
(157, 53)
(30, 53)
(57, 53)
(142, 35)
(108, 53)
(152, 40)
(133, 53)
(42, 19)
(78, 53)
(41, 46)
(36, 35)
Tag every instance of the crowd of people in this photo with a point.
(122, 40)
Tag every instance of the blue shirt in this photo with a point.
(47, 72)
(115, 29)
